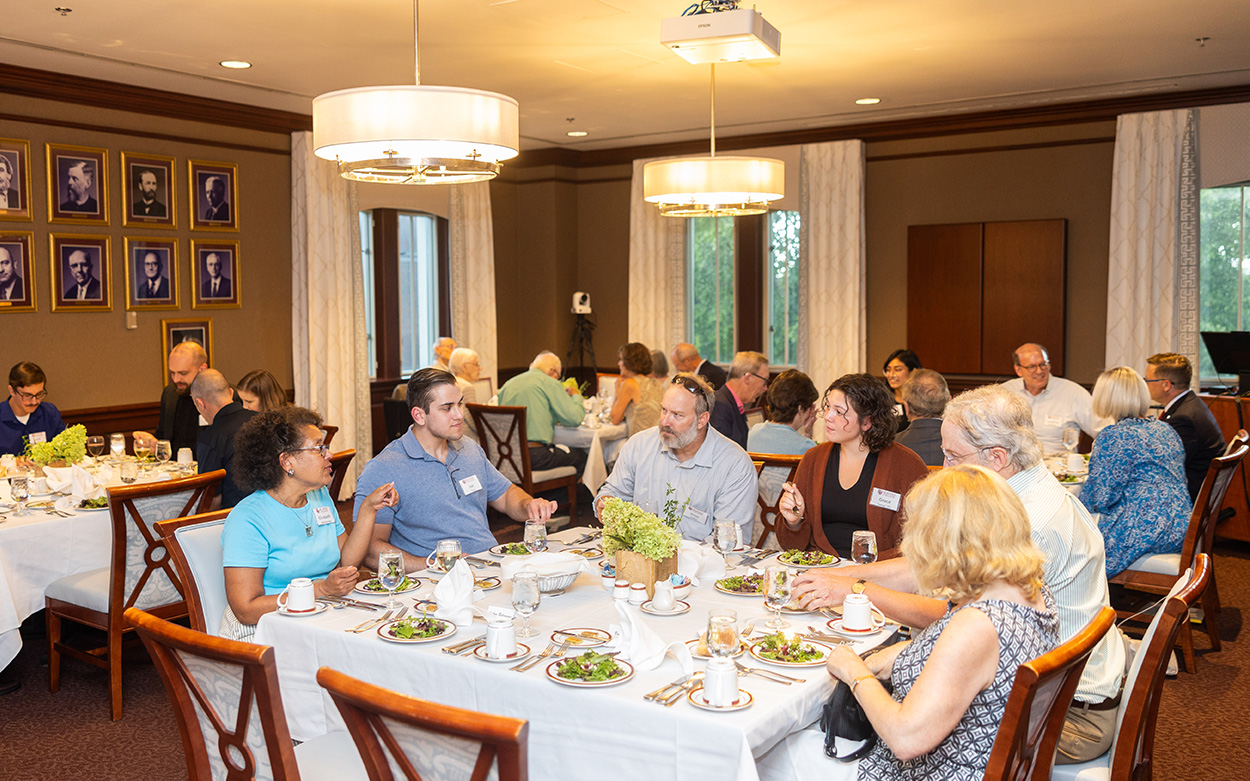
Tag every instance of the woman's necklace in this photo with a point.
(303, 517)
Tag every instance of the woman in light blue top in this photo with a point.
(791, 410)
(1136, 486)
(288, 526)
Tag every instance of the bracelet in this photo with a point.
(857, 681)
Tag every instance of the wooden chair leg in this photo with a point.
(573, 504)
(1186, 642)
(53, 622)
(1211, 618)
(115, 673)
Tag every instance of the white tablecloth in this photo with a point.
(573, 732)
(602, 444)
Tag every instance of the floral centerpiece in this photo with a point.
(645, 546)
(68, 447)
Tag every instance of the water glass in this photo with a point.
(863, 547)
(129, 471)
(95, 446)
(1071, 438)
(446, 554)
(391, 575)
(117, 446)
(725, 539)
(164, 451)
(535, 536)
(525, 598)
(778, 581)
(19, 485)
(722, 632)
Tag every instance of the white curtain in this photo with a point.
(327, 312)
(473, 274)
(832, 286)
(657, 272)
(1152, 280)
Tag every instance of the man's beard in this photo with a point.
(676, 440)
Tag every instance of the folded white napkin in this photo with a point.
(642, 647)
(454, 595)
(546, 564)
(695, 561)
(74, 480)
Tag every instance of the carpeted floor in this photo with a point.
(1202, 723)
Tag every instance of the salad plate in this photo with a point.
(580, 671)
(787, 654)
(320, 608)
(693, 645)
(522, 651)
(814, 559)
(679, 606)
(698, 698)
(374, 586)
(425, 605)
(741, 585)
(68, 504)
(510, 549)
(394, 630)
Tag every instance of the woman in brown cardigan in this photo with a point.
(856, 479)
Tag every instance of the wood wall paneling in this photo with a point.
(1024, 289)
(944, 296)
(1225, 411)
(750, 251)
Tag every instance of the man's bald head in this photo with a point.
(186, 360)
(211, 392)
(686, 357)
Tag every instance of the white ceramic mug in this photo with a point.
(39, 485)
(720, 683)
(857, 612)
(1076, 463)
(500, 638)
(300, 596)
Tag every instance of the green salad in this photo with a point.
(743, 584)
(791, 650)
(590, 667)
(94, 504)
(514, 549)
(810, 558)
(376, 585)
(412, 628)
(1069, 478)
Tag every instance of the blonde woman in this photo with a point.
(1136, 487)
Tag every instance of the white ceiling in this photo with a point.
(601, 64)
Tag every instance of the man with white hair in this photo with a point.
(443, 347)
(547, 403)
(748, 379)
(992, 427)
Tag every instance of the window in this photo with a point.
(418, 291)
(1223, 264)
(743, 286)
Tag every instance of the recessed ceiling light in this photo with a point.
(235, 64)
(576, 133)
(867, 101)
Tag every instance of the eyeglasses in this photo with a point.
(951, 458)
(761, 379)
(29, 397)
(1161, 379)
(1035, 367)
(325, 450)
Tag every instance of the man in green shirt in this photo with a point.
(547, 403)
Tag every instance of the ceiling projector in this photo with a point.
(725, 36)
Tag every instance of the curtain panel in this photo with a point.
(327, 292)
(473, 274)
(657, 272)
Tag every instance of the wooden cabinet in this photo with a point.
(1224, 408)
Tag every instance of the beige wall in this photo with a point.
(91, 359)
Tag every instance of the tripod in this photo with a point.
(583, 342)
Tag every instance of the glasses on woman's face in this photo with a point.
(324, 450)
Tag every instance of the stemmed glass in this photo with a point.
(535, 536)
(19, 486)
(722, 632)
(725, 539)
(778, 581)
(142, 450)
(95, 446)
(863, 547)
(1071, 438)
(163, 451)
(391, 575)
(446, 554)
(525, 598)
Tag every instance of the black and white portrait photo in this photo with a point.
(214, 195)
(152, 274)
(149, 191)
(216, 281)
(16, 273)
(77, 184)
(80, 270)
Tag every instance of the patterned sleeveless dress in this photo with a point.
(1023, 634)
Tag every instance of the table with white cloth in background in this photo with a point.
(601, 444)
(572, 732)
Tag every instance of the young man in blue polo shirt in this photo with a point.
(445, 481)
(26, 417)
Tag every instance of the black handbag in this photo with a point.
(843, 717)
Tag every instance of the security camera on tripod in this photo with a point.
(582, 343)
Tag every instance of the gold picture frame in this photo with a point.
(143, 255)
(15, 154)
(153, 175)
(176, 331)
(220, 258)
(80, 261)
(78, 189)
(207, 215)
(17, 271)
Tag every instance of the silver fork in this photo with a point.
(521, 666)
(769, 674)
(660, 692)
(672, 699)
(554, 656)
(371, 623)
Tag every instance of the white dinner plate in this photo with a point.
(589, 554)
(487, 584)
(717, 585)
(823, 649)
(698, 698)
(68, 504)
(776, 558)
(575, 637)
(522, 651)
(320, 608)
(626, 666)
(413, 585)
(387, 633)
(498, 550)
(679, 606)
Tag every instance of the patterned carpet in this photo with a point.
(1202, 723)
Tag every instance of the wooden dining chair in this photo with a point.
(328, 432)
(403, 737)
(603, 380)
(1156, 573)
(1029, 731)
(194, 543)
(754, 415)
(767, 511)
(501, 432)
(339, 462)
(1131, 757)
(140, 574)
(229, 709)
(397, 418)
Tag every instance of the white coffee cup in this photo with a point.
(720, 683)
(185, 455)
(500, 638)
(857, 612)
(1076, 462)
(39, 485)
(300, 596)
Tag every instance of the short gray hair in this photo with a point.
(926, 394)
(459, 357)
(992, 416)
(545, 361)
(747, 361)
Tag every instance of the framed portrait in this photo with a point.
(81, 273)
(17, 272)
(214, 195)
(151, 273)
(148, 191)
(215, 275)
(77, 185)
(15, 180)
(174, 332)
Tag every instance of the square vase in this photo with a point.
(636, 568)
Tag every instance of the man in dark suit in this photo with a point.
(12, 198)
(216, 286)
(85, 286)
(153, 284)
(1168, 376)
(748, 379)
(925, 395)
(78, 183)
(147, 205)
(686, 358)
(12, 288)
(217, 208)
(215, 448)
(179, 421)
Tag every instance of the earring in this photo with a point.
(290, 473)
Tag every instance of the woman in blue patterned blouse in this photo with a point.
(1136, 486)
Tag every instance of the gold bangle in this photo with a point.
(857, 681)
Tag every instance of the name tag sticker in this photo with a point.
(324, 515)
(697, 517)
(203, 422)
(887, 499)
(37, 437)
(1054, 420)
(470, 485)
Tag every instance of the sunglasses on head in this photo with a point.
(688, 384)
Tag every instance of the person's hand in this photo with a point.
(791, 504)
(571, 391)
(144, 436)
(539, 509)
(845, 665)
(822, 588)
(382, 496)
(339, 582)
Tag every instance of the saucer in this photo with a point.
(320, 608)
(522, 651)
(680, 606)
(698, 698)
(878, 623)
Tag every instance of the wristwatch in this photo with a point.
(858, 588)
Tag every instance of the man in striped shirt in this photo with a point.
(993, 427)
